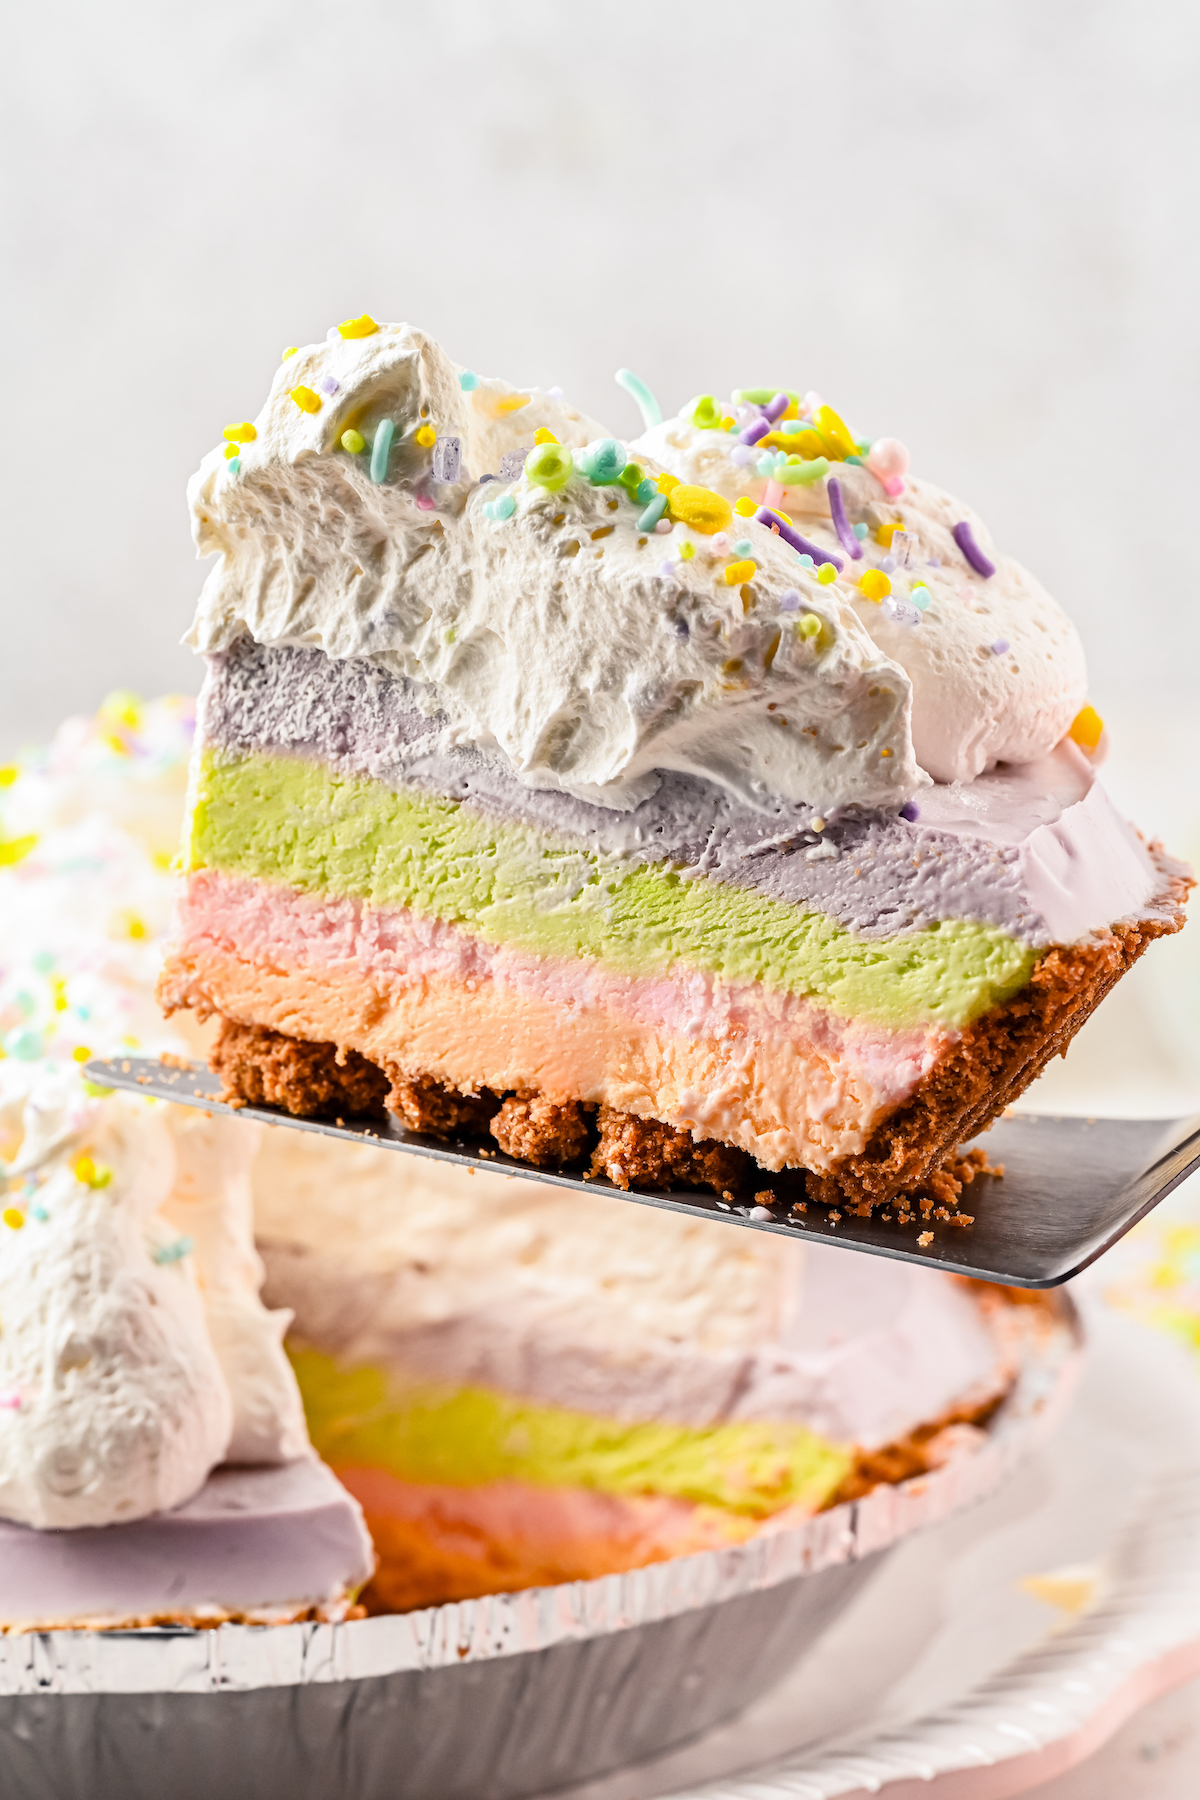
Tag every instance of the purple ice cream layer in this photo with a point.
(1036, 851)
(252, 1538)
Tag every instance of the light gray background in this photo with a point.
(967, 225)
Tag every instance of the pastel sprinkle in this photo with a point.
(686, 552)
(827, 573)
(834, 434)
(231, 451)
(921, 596)
(745, 508)
(874, 584)
(544, 436)
(26, 1045)
(703, 509)
(329, 385)
(234, 465)
(910, 811)
(758, 428)
(647, 405)
(1087, 727)
(508, 403)
(861, 532)
(841, 524)
(8, 774)
(663, 527)
(888, 461)
(426, 436)
(667, 568)
(503, 506)
(290, 351)
(901, 612)
(91, 1174)
(791, 536)
(602, 462)
(653, 513)
(14, 1218)
(363, 326)
(240, 434)
(743, 547)
(81, 1054)
(704, 413)
(447, 459)
(1000, 647)
(10, 1401)
(806, 561)
(555, 393)
(789, 601)
(801, 474)
(736, 573)
(173, 1252)
(468, 381)
(809, 626)
(741, 455)
(779, 403)
(384, 432)
(964, 537)
(306, 400)
(354, 442)
(549, 466)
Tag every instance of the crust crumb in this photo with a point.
(260, 1067)
(550, 1134)
(425, 1105)
(646, 1153)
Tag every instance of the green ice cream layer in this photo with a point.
(466, 1437)
(289, 820)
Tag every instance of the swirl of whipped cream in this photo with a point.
(112, 1400)
(556, 625)
(996, 667)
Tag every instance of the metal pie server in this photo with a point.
(1071, 1187)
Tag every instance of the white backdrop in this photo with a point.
(970, 226)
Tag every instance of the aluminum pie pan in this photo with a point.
(490, 1699)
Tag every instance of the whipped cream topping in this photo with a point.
(596, 645)
(996, 667)
(557, 624)
(135, 1353)
(112, 1401)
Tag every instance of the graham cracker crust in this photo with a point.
(913, 1152)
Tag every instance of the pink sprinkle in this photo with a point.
(425, 503)
(774, 494)
(663, 526)
(11, 1401)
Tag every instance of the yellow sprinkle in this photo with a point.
(122, 708)
(239, 434)
(727, 422)
(8, 774)
(1086, 728)
(885, 752)
(737, 572)
(231, 451)
(364, 326)
(542, 436)
(84, 1170)
(686, 552)
(699, 507)
(885, 533)
(745, 507)
(306, 400)
(810, 627)
(666, 482)
(13, 850)
(137, 928)
(512, 402)
(290, 351)
(354, 442)
(874, 584)
(426, 437)
(81, 1053)
(14, 1217)
(833, 434)
(826, 573)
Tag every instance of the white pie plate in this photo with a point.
(946, 1680)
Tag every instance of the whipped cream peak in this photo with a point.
(547, 612)
(996, 668)
(112, 1400)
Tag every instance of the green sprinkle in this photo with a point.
(354, 442)
(653, 513)
(384, 432)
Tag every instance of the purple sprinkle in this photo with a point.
(888, 565)
(789, 602)
(910, 811)
(668, 570)
(1000, 647)
(841, 523)
(741, 454)
(774, 407)
(330, 385)
(759, 428)
(935, 562)
(764, 516)
(554, 393)
(964, 537)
